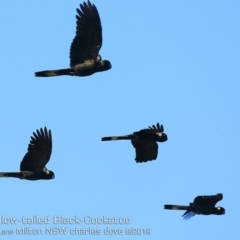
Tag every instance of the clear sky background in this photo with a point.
(173, 62)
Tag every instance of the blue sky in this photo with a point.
(173, 62)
